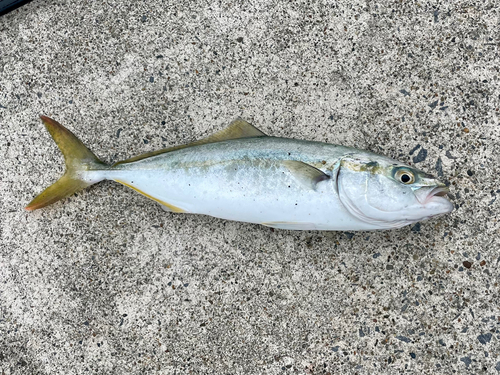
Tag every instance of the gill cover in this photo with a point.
(371, 195)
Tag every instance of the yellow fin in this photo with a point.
(237, 129)
(167, 205)
(78, 159)
(62, 188)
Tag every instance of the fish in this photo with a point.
(241, 174)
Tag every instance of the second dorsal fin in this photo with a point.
(237, 129)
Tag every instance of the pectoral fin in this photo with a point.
(306, 174)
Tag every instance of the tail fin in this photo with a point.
(78, 159)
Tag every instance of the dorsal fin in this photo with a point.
(237, 129)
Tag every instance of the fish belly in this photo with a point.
(242, 191)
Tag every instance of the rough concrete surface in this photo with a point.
(106, 282)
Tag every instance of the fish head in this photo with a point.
(388, 194)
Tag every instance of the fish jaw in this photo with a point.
(433, 201)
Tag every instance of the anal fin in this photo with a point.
(166, 206)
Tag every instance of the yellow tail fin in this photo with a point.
(78, 158)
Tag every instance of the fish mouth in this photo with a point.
(427, 194)
(439, 191)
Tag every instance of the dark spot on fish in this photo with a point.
(239, 40)
(163, 122)
(118, 133)
(404, 92)
(434, 104)
(467, 264)
(39, 94)
(144, 18)
(151, 79)
(470, 173)
(145, 141)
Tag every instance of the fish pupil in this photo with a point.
(405, 178)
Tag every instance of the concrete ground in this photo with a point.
(105, 282)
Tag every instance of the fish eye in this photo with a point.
(405, 176)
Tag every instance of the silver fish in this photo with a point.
(241, 174)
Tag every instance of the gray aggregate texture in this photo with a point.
(105, 282)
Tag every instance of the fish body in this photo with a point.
(241, 174)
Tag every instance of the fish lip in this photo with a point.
(439, 191)
(429, 193)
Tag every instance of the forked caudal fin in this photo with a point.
(78, 159)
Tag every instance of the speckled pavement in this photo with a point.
(106, 282)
